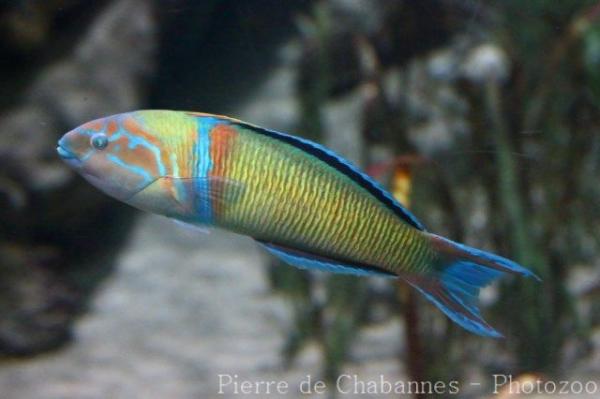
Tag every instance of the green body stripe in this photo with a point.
(292, 198)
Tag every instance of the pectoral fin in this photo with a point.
(202, 198)
(192, 199)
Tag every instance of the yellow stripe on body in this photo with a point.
(291, 198)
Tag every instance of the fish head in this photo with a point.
(116, 154)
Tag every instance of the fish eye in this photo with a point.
(99, 141)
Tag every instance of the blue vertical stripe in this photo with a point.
(204, 165)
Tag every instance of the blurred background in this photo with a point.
(483, 117)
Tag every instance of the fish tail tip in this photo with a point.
(497, 335)
(535, 277)
(526, 272)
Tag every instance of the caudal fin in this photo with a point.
(461, 272)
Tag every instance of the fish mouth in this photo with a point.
(64, 153)
(68, 156)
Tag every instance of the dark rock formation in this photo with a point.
(58, 233)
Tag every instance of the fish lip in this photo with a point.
(68, 156)
(64, 153)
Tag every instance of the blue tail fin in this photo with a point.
(461, 272)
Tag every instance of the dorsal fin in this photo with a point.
(333, 160)
(342, 165)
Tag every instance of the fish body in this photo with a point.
(301, 201)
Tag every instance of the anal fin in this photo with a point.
(306, 260)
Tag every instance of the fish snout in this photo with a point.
(64, 153)
(67, 154)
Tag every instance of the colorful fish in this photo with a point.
(299, 200)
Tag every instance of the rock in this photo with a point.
(180, 308)
(102, 75)
(45, 306)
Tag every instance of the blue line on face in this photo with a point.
(87, 155)
(132, 168)
(204, 165)
(134, 141)
(88, 132)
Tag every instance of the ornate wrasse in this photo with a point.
(299, 200)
